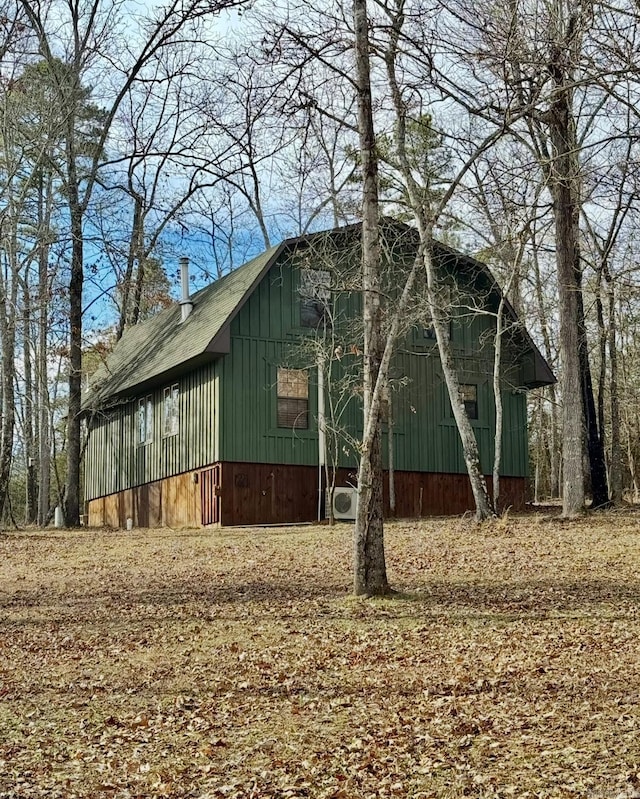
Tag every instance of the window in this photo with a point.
(315, 297)
(170, 411)
(145, 420)
(469, 397)
(293, 398)
(429, 332)
(385, 405)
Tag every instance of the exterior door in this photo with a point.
(210, 494)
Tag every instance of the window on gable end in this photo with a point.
(293, 398)
(469, 397)
(145, 420)
(315, 297)
(170, 411)
(429, 332)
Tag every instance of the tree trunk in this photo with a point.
(141, 257)
(484, 507)
(572, 406)
(370, 575)
(135, 253)
(497, 398)
(616, 446)
(7, 336)
(42, 393)
(8, 296)
(565, 212)
(631, 462)
(602, 345)
(72, 499)
(595, 447)
(29, 425)
(424, 220)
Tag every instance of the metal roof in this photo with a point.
(164, 345)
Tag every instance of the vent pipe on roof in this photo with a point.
(186, 306)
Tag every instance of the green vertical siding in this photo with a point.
(117, 461)
(248, 410)
(266, 334)
(228, 408)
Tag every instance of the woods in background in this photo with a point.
(129, 137)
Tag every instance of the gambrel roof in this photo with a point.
(164, 346)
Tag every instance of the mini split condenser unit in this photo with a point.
(345, 500)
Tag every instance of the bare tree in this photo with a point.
(370, 575)
(551, 74)
(86, 35)
(425, 213)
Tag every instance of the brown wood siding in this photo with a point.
(172, 502)
(256, 493)
(210, 495)
(115, 461)
(431, 494)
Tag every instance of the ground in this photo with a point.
(234, 663)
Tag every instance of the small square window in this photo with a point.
(171, 411)
(429, 332)
(293, 398)
(469, 397)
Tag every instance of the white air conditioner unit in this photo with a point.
(345, 501)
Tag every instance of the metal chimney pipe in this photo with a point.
(186, 306)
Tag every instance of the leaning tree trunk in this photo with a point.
(424, 221)
(470, 452)
(370, 575)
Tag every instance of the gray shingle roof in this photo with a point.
(163, 343)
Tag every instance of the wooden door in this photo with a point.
(210, 494)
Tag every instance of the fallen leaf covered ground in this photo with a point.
(234, 663)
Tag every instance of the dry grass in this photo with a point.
(234, 663)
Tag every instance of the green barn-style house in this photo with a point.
(218, 409)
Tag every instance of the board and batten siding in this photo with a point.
(266, 334)
(228, 408)
(116, 461)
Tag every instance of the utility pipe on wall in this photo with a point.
(322, 436)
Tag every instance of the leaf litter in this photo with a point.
(234, 663)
